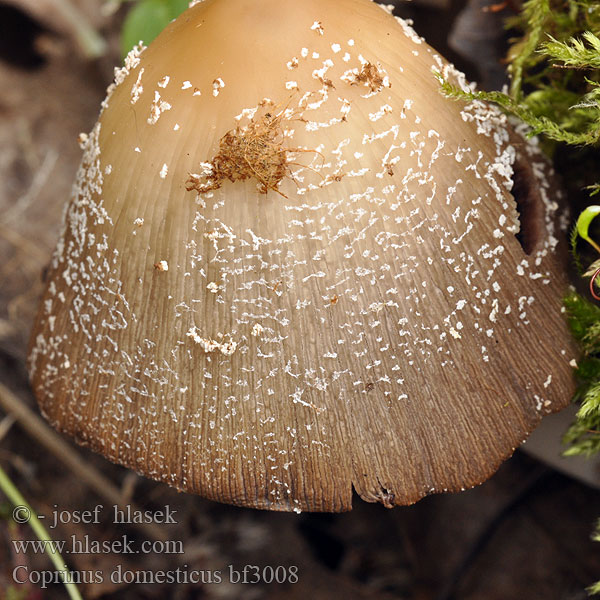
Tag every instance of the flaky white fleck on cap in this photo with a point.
(283, 292)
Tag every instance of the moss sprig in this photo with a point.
(583, 437)
(575, 53)
(570, 128)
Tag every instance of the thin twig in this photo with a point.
(24, 244)
(40, 179)
(592, 282)
(91, 42)
(6, 425)
(522, 493)
(48, 438)
(30, 516)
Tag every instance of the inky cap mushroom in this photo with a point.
(291, 267)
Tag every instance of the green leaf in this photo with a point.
(147, 19)
(584, 221)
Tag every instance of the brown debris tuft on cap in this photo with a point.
(371, 76)
(254, 151)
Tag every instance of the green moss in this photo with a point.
(583, 437)
(554, 71)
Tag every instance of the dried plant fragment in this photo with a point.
(371, 76)
(254, 151)
(327, 82)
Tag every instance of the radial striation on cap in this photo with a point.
(290, 267)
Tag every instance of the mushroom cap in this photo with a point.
(291, 267)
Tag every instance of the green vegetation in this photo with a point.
(555, 86)
(28, 515)
(147, 19)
